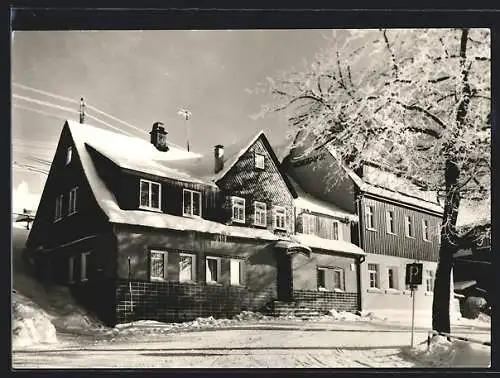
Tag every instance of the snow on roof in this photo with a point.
(314, 241)
(388, 193)
(307, 202)
(135, 153)
(107, 202)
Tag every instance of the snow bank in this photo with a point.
(345, 316)
(455, 353)
(31, 325)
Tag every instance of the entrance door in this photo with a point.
(285, 278)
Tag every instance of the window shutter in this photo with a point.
(225, 271)
(243, 264)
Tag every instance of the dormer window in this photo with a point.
(238, 209)
(69, 155)
(191, 203)
(260, 161)
(150, 195)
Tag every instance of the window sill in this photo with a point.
(57, 220)
(238, 221)
(410, 237)
(189, 282)
(406, 292)
(191, 216)
(260, 225)
(73, 213)
(154, 209)
(237, 285)
(158, 279)
(392, 233)
(427, 241)
(375, 290)
(279, 229)
(371, 229)
(393, 291)
(429, 293)
(214, 283)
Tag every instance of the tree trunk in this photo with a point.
(441, 300)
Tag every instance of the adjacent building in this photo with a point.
(396, 223)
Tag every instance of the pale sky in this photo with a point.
(145, 76)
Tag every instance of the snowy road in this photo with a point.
(260, 345)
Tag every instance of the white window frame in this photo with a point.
(377, 276)
(369, 214)
(71, 267)
(339, 230)
(69, 155)
(219, 269)
(342, 278)
(395, 278)
(241, 206)
(191, 207)
(261, 211)
(263, 160)
(409, 222)
(430, 277)
(235, 263)
(150, 195)
(84, 266)
(425, 230)
(279, 209)
(165, 262)
(72, 201)
(193, 267)
(324, 270)
(59, 208)
(389, 217)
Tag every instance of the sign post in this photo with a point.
(413, 279)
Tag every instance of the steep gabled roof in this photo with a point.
(306, 201)
(84, 135)
(382, 188)
(204, 166)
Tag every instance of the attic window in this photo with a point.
(69, 155)
(259, 161)
(150, 195)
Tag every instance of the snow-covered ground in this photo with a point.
(51, 330)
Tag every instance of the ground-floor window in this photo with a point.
(330, 278)
(158, 265)
(429, 281)
(392, 277)
(187, 267)
(84, 266)
(71, 269)
(213, 269)
(373, 274)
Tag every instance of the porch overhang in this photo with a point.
(292, 248)
(339, 246)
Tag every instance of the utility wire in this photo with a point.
(63, 98)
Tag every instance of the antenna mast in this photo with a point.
(186, 114)
(82, 110)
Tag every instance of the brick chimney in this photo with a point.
(159, 137)
(218, 158)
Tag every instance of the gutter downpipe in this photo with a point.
(361, 259)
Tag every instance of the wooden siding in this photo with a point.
(323, 225)
(379, 241)
(89, 218)
(253, 184)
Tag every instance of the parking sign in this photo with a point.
(414, 274)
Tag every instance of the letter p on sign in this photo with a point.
(414, 274)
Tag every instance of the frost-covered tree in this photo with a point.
(416, 101)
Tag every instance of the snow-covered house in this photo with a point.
(143, 230)
(396, 223)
